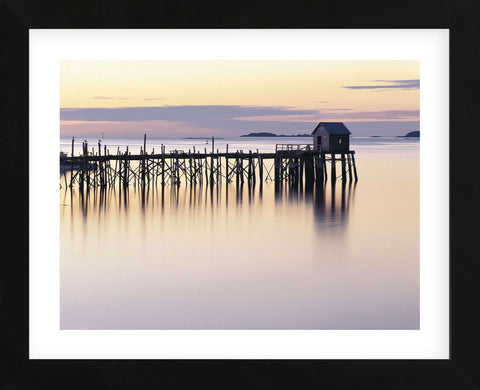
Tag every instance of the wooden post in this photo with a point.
(211, 161)
(276, 162)
(155, 170)
(237, 168)
(219, 168)
(254, 178)
(83, 179)
(301, 162)
(206, 166)
(173, 169)
(226, 166)
(349, 167)
(325, 170)
(249, 177)
(71, 169)
(105, 174)
(309, 172)
(344, 170)
(199, 168)
(177, 171)
(190, 166)
(297, 171)
(354, 168)
(100, 164)
(321, 162)
(80, 171)
(126, 173)
(163, 165)
(86, 165)
(195, 168)
(290, 170)
(334, 172)
(149, 170)
(119, 169)
(241, 169)
(260, 168)
(64, 177)
(321, 168)
(143, 159)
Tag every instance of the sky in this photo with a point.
(231, 98)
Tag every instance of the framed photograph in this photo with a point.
(200, 199)
(240, 196)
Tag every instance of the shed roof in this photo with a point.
(333, 128)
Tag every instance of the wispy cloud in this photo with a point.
(111, 98)
(125, 98)
(217, 118)
(392, 84)
(337, 109)
(203, 113)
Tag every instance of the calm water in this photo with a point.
(203, 258)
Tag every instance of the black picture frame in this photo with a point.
(17, 371)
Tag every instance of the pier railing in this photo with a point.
(291, 147)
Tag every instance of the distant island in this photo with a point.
(411, 134)
(207, 138)
(263, 134)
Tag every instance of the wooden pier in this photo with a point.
(292, 164)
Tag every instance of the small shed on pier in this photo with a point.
(331, 137)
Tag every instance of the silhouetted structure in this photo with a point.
(331, 137)
(292, 163)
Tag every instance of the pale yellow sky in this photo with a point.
(384, 91)
(299, 84)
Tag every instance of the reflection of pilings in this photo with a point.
(325, 198)
(330, 208)
(239, 193)
(251, 191)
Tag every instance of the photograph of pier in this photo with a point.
(239, 194)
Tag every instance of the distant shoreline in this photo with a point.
(207, 138)
(413, 134)
(263, 134)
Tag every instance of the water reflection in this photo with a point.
(244, 257)
(330, 204)
(328, 211)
